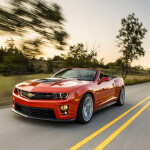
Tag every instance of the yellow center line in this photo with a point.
(118, 131)
(93, 135)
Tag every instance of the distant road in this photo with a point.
(19, 133)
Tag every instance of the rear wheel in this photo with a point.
(85, 110)
(121, 98)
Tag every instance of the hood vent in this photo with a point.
(48, 80)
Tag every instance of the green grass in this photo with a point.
(8, 83)
(133, 79)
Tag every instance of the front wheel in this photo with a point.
(121, 98)
(85, 110)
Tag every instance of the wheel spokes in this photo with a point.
(87, 109)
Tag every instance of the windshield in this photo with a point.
(79, 74)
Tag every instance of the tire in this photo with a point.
(121, 97)
(85, 110)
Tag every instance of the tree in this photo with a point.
(120, 65)
(13, 61)
(79, 56)
(57, 58)
(50, 66)
(80, 52)
(130, 42)
(37, 19)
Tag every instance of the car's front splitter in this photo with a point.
(40, 118)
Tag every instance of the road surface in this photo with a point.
(131, 132)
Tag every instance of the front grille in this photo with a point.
(36, 112)
(36, 95)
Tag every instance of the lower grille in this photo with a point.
(36, 112)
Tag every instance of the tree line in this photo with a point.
(14, 62)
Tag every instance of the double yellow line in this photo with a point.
(117, 132)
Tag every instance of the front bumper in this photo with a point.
(47, 104)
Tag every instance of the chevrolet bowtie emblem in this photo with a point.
(31, 95)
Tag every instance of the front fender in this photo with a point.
(79, 92)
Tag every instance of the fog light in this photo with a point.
(64, 109)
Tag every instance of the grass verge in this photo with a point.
(131, 79)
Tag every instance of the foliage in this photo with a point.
(79, 56)
(149, 71)
(57, 58)
(13, 61)
(138, 68)
(122, 66)
(50, 66)
(130, 42)
(40, 21)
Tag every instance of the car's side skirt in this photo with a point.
(107, 103)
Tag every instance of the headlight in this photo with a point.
(60, 96)
(64, 95)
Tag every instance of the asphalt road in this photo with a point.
(19, 133)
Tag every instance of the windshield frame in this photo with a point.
(96, 71)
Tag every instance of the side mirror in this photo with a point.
(103, 79)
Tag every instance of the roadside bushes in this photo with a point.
(12, 61)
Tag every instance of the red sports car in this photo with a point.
(70, 94)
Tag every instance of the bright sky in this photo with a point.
(98, 21)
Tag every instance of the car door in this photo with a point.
(104, 92)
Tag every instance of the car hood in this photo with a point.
(51, 85)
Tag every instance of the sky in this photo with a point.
(98, 21)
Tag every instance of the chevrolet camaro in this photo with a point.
(70, 94)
